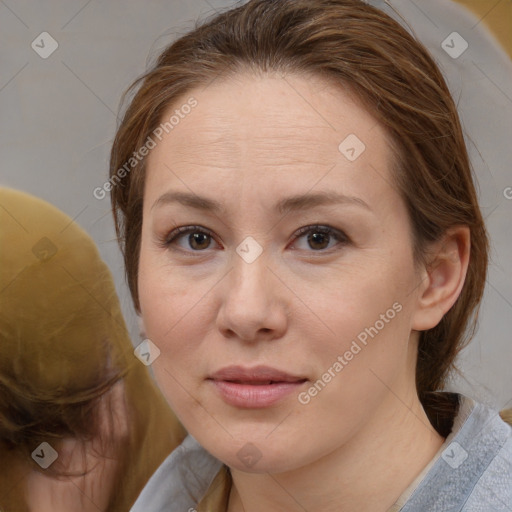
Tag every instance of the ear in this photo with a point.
(442, 278)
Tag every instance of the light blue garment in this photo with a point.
(180, 481)
(472, 473)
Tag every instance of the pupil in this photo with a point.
(197, 236)
(317, 238)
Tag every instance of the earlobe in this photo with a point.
(444, 278)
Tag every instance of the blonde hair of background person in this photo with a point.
(68, 375)
(368, 63)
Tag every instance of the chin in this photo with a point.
(253, 454)
(250, 461)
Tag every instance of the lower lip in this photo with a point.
(254, 396)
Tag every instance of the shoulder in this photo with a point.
(473, 472)
(493, 489)
(181, 480)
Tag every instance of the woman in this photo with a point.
(303, 241)
(82, 426)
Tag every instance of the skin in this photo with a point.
(250, 142)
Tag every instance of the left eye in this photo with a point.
(199, 239)
(318, 237)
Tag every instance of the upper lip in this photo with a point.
(254, 374)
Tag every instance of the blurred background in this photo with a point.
(65, 64)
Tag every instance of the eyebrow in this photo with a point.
(288, 204)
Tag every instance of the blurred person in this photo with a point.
(70, 384)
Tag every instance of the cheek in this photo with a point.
(167, 311)
(170, 317)
(173, 312)
(356, 371)
(375, 337)
(159, 307)
(355, 301)
(368, 315)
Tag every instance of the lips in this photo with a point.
(258, 375)
(253, 382)
(256, 387)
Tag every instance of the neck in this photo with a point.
(366, 474)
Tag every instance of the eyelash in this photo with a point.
(175, 234)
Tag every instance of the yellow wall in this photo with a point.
(497, 16)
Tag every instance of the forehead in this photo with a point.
(285, 130)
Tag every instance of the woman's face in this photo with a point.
(328, 309)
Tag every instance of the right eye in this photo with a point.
(198, 239)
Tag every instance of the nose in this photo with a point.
(254, 304)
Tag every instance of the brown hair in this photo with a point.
(360, 48)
